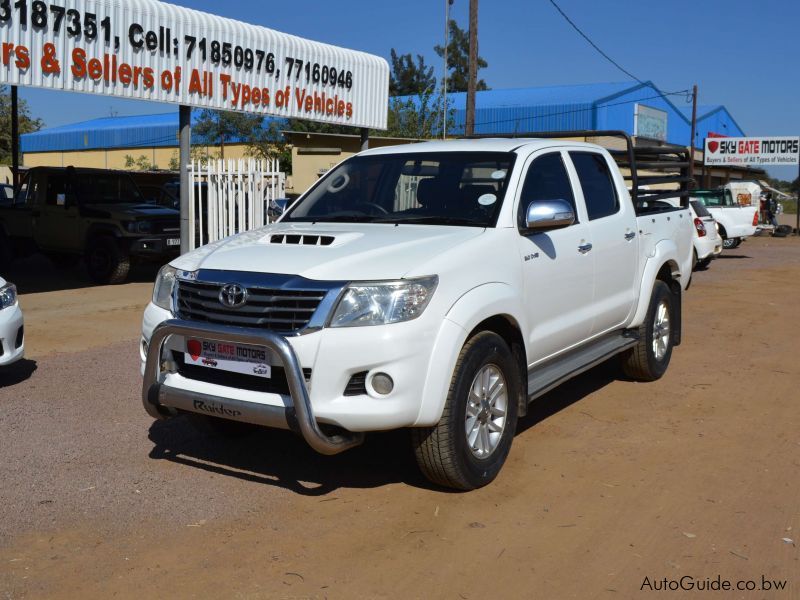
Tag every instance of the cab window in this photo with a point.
(599, 191)
(547, 179)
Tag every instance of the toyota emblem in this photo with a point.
(233, 295)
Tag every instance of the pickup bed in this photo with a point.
(438, 286)
(98, 215)
(736, 221)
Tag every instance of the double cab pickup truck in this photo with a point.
(98, 215)
(439, 287)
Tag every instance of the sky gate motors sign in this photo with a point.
(762, 151)
(148, 50)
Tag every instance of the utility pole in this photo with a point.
(14, 138)
(185, 124)
(473, 66)
(447, 4)
(694, 132)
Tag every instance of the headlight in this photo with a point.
(383, 302)
(165, 283)
(8, 296)
(139, 226)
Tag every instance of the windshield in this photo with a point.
(438, 188)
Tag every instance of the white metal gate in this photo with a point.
(228, 197)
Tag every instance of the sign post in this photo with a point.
(758, 151)
(160, 52)
(185, 124)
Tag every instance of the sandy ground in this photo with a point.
(609, 482)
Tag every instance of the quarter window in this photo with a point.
(599, 191)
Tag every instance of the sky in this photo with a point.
(742, 54)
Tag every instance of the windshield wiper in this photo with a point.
(431, 220)
(334, 219)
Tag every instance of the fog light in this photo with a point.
(382, 384)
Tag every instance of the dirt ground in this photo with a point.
(610, 484)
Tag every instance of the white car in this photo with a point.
(437, 286)
(736, 221)
(12, 334)
(707, 241)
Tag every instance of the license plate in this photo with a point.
(234, 358)
(174, 242)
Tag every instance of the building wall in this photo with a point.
(115, 159)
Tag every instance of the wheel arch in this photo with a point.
(490, 307)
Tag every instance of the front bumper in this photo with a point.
(12, 342)
(159, 397)
(155, 247)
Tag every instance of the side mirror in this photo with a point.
(544, 215)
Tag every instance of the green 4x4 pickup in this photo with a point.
(95, 214)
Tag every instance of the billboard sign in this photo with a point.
(758, 151)
(650, 123)
(150, 50)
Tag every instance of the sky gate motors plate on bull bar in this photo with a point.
(235, 358)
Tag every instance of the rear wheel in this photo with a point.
(471, 442)
(106, 262)
(649, 359)
(703, 264)
(731, 243)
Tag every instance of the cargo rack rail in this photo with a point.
(664, 164)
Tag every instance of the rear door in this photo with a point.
(613, 231)
(558, 275)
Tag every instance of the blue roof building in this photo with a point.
(638, 108)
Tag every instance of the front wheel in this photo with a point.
(471, 442)
(106, 261)
(649, 359)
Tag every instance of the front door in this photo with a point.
(58, 218)
(558, 271)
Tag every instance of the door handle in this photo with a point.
(630, 235)
(585, 248)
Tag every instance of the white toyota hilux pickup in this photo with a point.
(437, 286)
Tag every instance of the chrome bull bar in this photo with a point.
(156, 394)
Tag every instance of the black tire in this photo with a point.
(225, 428)
(641, 362)
(106, 262)
(703, 264)
(443, 452)
(730, 243)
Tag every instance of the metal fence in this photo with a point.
(228, 197)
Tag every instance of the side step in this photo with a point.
(544, 377)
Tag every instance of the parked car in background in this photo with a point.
(100, 216)
(707, 241)
(736, 222)
(160, 196)
(12, 331)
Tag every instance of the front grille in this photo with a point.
(279, 310)
(20, 337)
(170, 226)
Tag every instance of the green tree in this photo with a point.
(417, 118)
(263, 138)
(795, 187)
(458, 60)
(409, 77)
(27, 124)
(140, 164)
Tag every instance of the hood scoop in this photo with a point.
(294, 239)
